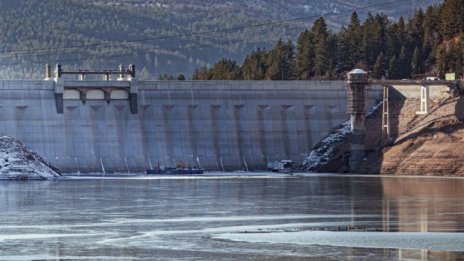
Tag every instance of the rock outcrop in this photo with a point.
(18, 162)
(431, 144)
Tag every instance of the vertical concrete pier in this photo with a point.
(424, 100)
(48, 72)
(357, 82)
(386, 133)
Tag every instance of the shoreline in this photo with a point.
(231, 175)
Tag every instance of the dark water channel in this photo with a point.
(241, 218)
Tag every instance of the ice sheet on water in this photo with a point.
(212, 226)
(230, 218)
(41, 236)
(54, 257)
(396, 240)
(205, 219)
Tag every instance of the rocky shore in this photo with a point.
(18, 162)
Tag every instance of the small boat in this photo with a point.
(283, 166)
(175, 171)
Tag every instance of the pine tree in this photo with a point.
(415, 62)
(319, 35)
(404, 64)
(401, 29)
(320, 59)
(354, 40)
(226, 69)
(289, 60)
(379, 67)
(393, 68)
(181, 77)
(373, 38)
(319, 29)
(254, 67)
(343, 62)
(273, 62)
(280, 61)
(202, 74)
(454, 58)
(416, 28)
(304, 57)
(431, 31)
(451, 18)
(368, 41)
(391, 41)
(332, 56)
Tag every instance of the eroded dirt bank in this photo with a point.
(431, 144)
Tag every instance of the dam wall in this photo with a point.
(217, 125)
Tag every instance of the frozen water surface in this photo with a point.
(406, 240)
(233, 217)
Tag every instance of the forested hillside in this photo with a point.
(160, 36)
(431, 42)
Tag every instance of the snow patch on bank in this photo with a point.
(17, 161)
(325, 149)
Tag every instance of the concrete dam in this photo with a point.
(129, 125)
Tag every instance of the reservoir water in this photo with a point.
(272, 217)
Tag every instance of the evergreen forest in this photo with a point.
(166, 38)
(430, 43)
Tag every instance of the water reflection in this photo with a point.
(318, 217)
(423, 204)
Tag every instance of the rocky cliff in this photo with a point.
(431, 144)
(18, 162)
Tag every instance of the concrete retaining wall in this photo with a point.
(413, 91)
(219, 125)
